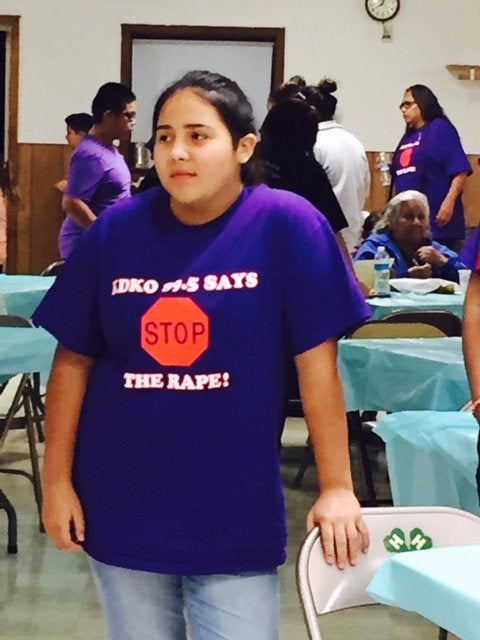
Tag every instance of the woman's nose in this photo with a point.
(179, 151)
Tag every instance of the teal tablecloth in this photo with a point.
(413, 301)
(25, 350)
(403, 374)
(432, 458)
(440, 584)
(20, 295)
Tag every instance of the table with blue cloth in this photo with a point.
(414, 302)
(20, 295)
(432, 458)
(441, 584)
(397, 374)
(25, 350)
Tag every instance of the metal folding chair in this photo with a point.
(324, 588)
(446, 321)
(24, 399)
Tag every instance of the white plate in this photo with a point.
(423, 286)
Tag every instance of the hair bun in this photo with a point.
(327, 85)
(298, 81)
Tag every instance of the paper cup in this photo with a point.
(463, 278)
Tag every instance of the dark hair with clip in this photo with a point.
(320, 96)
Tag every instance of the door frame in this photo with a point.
(11, 24)
(131, 32)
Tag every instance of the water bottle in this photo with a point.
(384, 166)
(382, 273)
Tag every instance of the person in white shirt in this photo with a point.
(343, 157)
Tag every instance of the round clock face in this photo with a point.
(382, 10)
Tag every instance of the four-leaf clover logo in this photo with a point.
(397, 541)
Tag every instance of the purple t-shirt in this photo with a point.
(427, 159)
(177, 455)
(99, 176)
(470, 254)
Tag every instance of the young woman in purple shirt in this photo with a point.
(174, 318)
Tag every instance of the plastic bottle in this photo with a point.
(384, 166)
(382, 273)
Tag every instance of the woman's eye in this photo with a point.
(163, 137)
(198, 135)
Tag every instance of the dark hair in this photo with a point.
(111, 96)
(79, 122)
(427, 102)
(320, 97)
(231, 104)
(370, 221)
(287, 90)
(290, 127)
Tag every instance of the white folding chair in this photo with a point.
(323, 588)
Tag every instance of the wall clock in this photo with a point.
(382, 10)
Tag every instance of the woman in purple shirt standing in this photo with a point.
(430, 159)
(174, 317)
(98, 175)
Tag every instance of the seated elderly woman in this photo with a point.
(404, 231)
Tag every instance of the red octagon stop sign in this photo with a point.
(175, 331)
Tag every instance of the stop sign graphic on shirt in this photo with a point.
(175, 331)
(406, 157)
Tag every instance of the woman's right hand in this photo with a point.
(62, 516)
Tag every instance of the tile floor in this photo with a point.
(49, 595)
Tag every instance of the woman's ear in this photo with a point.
(246, 147)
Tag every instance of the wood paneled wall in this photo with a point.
(39, 211)
(39, 214)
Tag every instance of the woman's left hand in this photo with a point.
(445, 213)
(422, 272)
(431, 256)
(343, 532)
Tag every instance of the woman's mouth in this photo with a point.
(179, 175)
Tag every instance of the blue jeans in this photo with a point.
(139, 605)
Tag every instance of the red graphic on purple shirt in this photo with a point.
(405, 158)
(175, 331)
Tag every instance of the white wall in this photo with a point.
(248, 63)
(70, 47)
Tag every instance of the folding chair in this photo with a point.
(323, 588)
(53, 269)
(397, 329)
(446, 321)
(25, 397)
(7, 506)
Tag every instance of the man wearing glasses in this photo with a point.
(98, 175)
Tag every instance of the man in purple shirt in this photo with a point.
(98, 175)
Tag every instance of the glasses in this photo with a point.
(129, 115)
(406, 104)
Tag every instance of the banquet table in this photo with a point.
(440, 584)
(21, 294)
(397, 374)
(432, 458)
(25, 350)
(414, 301)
